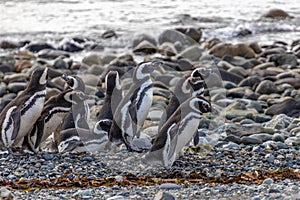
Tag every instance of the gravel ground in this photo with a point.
(248, 172)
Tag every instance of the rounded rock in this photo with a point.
(266, 87)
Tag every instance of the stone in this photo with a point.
(239, 71)
(52, 54)
(294, 82)
(192, 53)
(47, 156)
(284, 59)
(290, 107)
(5, 193)
(143, 37)
(266, 87)
(273, 190)
(251, 95)
(174, 36)
(167, 49)
(210, 42)
(255, 46)
(169, 186)
(162, 195)
(22, 64)
(262, 136)
(279, 122)
(292, 141)
(108, 58)
(96, 70)
(222, 49)
(277, 137)
(70, 46)
(92, 59)
(118, 197)
(228, 76)
(270, 158)
(142, 142)
(145, 47)
(185, 64)
(4, 68)
(239, 61)
(60, 64)
(3, 87)
(90, 79)
(5, 44)
(231, 145)
(16, 87)
(268, 181)
(191, 32)
(236, 92)
(251, 81)
(250, 140)
(150, 131)
(276, 13)
(36, 47)
(261, 118)
(229, 85)
(109, 34)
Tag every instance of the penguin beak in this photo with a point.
(68, 80)
(65, 77)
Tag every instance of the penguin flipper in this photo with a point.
(39, 132)
(133, 115)
(173, 142)
(15, 118)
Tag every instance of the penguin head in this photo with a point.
(74, 82)
(112, 81)
(144, 69)
(39, 77)
(103, 126)
(199, 103)
(201, 72)
(74, 97)
(197, 84)
(68, 142)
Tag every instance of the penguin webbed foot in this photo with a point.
(132, 148)
(17, 151)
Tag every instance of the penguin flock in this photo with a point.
(29, 120)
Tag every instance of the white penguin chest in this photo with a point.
(145, 104)
(56, 118)
(32, 113)
(186, 133)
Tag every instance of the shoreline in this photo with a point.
(254, 126)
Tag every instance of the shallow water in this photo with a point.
(27, 19)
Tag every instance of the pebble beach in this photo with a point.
(248, 146)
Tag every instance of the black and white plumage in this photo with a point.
(17, 118)
(133, 109)
(81, 108)
(113, 95)
(55, 109)
(96, 141)
(184, 89)
(177, 132)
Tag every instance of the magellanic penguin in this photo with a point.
(89, 141)
(113, 95)
(177, 132)
(184, 89)
(81, 108)
(18, 117)
(133, 109)
(52, 115)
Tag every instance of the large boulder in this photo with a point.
(276, 13)
(223, 49)
(174, 36)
